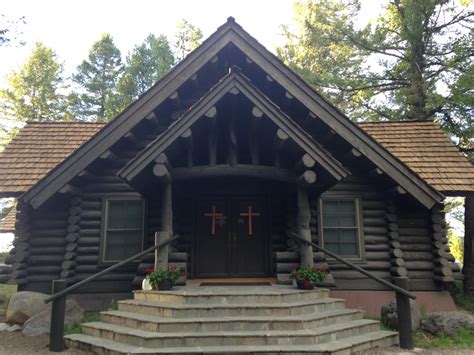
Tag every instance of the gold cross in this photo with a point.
(249, 214)
(213, 216)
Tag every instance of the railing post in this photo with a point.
(405, 330)
(58, 310)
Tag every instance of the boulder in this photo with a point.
(447, 322)
(23, 305)
(40, 323)
(3, 303)
(389, 315)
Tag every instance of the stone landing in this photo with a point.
(231, 319)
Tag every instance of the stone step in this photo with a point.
(229, 295)
(164, 324)
(312, 336)
(339, 347)
(229, 310)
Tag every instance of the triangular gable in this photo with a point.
(234, 80)
(231, 32)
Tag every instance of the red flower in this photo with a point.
(295, 266)
(306, 283)
(295, 275)
(184, 273)
(149, 270)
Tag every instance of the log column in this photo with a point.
(303, 225)
(20, 253)
(442, 270)
(161, 255)
(468, 269)
(68, 267)
(397, 262)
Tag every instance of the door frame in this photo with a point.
(263, 199)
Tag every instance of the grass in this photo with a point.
(77, 327)
(7, 289)
(464, 339)
(3, 256)
(464, 301)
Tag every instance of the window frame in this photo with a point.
(359, 222)
(104, 225)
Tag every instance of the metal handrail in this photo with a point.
(355, 267)
(402, 294)
(60, 291)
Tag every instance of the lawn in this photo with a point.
(7, 289)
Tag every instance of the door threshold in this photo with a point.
(240, 281)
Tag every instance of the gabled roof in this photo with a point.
(234, 80)
(230, 32)
(426, 150)
(7, 223)
(37, 149)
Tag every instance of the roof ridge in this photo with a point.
(431, 120)
(62, 122)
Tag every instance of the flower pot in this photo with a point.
(164, 285)
(305, 285)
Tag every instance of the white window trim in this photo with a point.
(105, 220)
(359, 223)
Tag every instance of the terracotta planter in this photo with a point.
(165, 286)
(305, 285)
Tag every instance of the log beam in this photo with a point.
(162, 172)
(306, 162)
(307, 178)
(187, 138)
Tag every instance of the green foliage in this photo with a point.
(77, 327)
(463, 300)
(97, 80)
(9, 290)
(147, 64)
(456, 245)
(464, 339)
(170, 274)
(188, 37)
(413, 62)
(303, 273)
(9, 30)
(34, 92)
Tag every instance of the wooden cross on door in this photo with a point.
(213, 216)
(250, 214)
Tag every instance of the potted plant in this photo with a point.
(163, 278)
(306, 277)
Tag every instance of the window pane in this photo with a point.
(330, 221)
(348, 249)
(332, 247)
(122, 244)
(347, 207)
(346, 220)
(348, 235)
(330, 235)
(329, 207)
(126, 214)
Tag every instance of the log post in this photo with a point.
(280, 139)
(187, 138)
(58, 312)
(303, 226)
(404, 315)
(253, 136)
(161, 256)
(440, 248)
(212, 138)
(74, 219)
(396, 253)
(468, 269)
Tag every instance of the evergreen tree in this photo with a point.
(188, 37)
(414, 62)
(97, 78)
(147, 63)
(34, 92)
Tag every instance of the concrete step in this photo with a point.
(230, 310)
(311, 336)
(229, 295)
(164, 324)
(340, 347)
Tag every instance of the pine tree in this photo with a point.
(147, 63)
(97, 77)
(188, 37)
(414, 62)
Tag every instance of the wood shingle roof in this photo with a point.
(7, 223)
(426, 150)
(37, 149)
(422, 146)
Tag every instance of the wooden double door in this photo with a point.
(231, 238)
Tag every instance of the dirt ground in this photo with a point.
(16, 343)
(398, 351)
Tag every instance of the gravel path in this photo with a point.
(16, 343)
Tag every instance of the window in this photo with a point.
(340, 226)
(122, 228)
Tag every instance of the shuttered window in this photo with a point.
(340, 226)
(122, 228)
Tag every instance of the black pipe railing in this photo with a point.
(60, 291)
(402, 293)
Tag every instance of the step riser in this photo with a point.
(229, 312)
(230, 299)
(389, 341)
(227, 326)
(233, 340)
